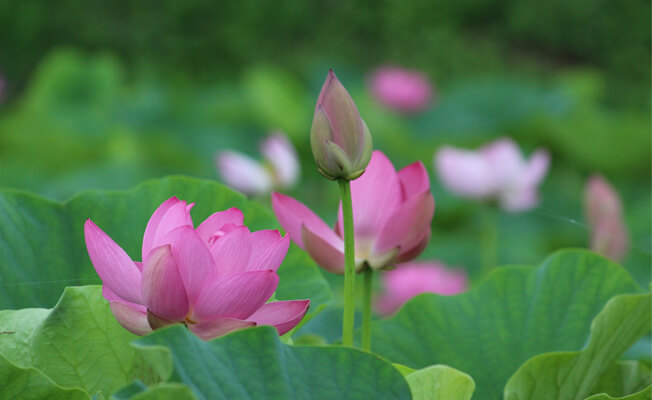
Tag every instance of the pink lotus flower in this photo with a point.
(391, 216)
(495, 172)
(251, 177)
(605, 218)
(401, 89)
(214, 279)
(414, 278)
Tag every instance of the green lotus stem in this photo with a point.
(348, 320)
(489, 245)
(366, 310)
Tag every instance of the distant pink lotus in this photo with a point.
(243, 173)
(604, 215)
(417, 277)
(391, 216)
(495, 172)
(214, 279)
(401, 89)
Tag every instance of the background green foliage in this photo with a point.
(451, 39)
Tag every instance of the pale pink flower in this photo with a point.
(214, 279)
(392, 213)
(401, 89)
(413, 278)
(604, 216)
(243, 173)
(497, 172)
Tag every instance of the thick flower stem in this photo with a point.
(366, 309)
(489, 239)
(349, 264)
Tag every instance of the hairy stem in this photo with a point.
(366, 309)
(349, 264)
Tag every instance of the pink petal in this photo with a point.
(609, 238)
(465, 173)
(165, 219)
(268, 250)
(505, 160)
(194, 261)
(401, 89)
(410, 253)
(235, 296)
(407, 224)
(292, 214)
(411, 279)
(414, 180)
(231, 252)
(327, 256)
(243, 173)
(283, 315)
(212, 328)
(132, 317)
(153, 223)
(112, 264)
(536, 169)
(212, 224)
(375, 195)
(280, 153)
(163, 290)
(519, 200)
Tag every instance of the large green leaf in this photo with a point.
(162, 391)
(254, 364)
(76, 344)
(573, 375)
(42, 246)
(438, 382)
(31, 384)
(625, 377)
(516, 313)
(644, 394)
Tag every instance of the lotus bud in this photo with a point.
(340, 140)
(604, 216)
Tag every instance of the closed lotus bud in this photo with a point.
(604, 215)
(340, 140)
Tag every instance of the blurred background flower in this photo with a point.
(413, 278)
(604, 215)
(496, 172)
(280, 170)
(401, 89)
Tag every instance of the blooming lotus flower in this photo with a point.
(495, 172)
(401, 89)
(391, 217)
(413, 278)
(250, 177)
(604, 216)
(339, 138)
(214, 279)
